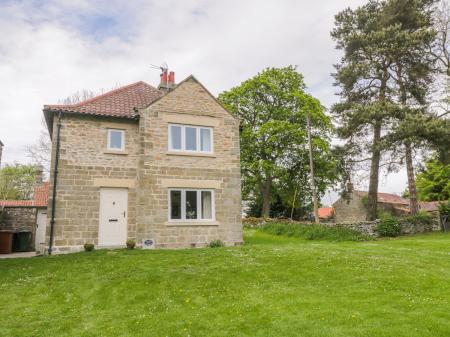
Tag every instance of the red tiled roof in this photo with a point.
(392, 199)
(388, 198)
(41, 195)
(120, 102)
(429, 206)
(17, 203)
(325, 212)
(40, 198)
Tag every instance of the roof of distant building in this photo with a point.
(325, 212)
(387, 198)
(40, 198)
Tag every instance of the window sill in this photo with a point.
(190, 154)
(188, 223)
(115, 152)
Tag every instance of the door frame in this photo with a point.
(38, 227)
(99, 244)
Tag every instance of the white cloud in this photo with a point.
(49, 51)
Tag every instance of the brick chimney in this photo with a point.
(167, 82)
(1, 150)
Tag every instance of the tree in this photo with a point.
(441, 48)
(433, 183)
(413, 68)
(40, 152)
(79, 96)
(385, 76)
(17, 182)
(273, 109)
(365, 78)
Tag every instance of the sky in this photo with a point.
(52, 49)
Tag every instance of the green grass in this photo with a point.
(314, 232)
(272, 286)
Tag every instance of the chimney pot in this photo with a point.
(163, 78)
(167, 81)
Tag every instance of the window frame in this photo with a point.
(198, 129)
(108, 140)
(199, 203)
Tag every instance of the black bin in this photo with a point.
(22, 242)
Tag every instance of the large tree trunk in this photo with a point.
(413, 205)
(372, 201)
(311, 164)
(266, 187)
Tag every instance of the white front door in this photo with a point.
(41, 224)
(113, 215)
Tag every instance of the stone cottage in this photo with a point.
(27, 215)
(353, 208)
(156, 165)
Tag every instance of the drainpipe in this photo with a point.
(55, 180)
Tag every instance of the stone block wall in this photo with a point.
(352, 210)
(18, 218)
(85, 165)
(160, 169)
(148, 170)
(369, 227)
(365, 227)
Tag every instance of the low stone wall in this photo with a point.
(18, 218)
(365, 227)
(410, 228)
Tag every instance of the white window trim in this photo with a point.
(199, 203)
(108, 146)
(183, 138)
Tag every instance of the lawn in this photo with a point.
(272, 286)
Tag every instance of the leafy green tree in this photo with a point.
(273, 108)
(412, 27)
(17, 181)
(385, 76)
(365, 78)
(433, 183)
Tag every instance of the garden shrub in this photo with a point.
(444, 209)
(88, 247)
(422, 218)
(314, 232)
(131, 244)
(389, 226)
(215, 244)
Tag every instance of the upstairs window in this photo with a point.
(190, 138)
(116, 140)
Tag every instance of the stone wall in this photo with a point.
(352, 210)
(365, 227)
(18, 218)
(148, 170)
(369, 227)
(85, 166)
(161, 169)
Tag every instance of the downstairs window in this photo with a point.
(191, 205)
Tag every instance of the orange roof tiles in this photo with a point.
(40, 198)
(325, 212)
(121, 102)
